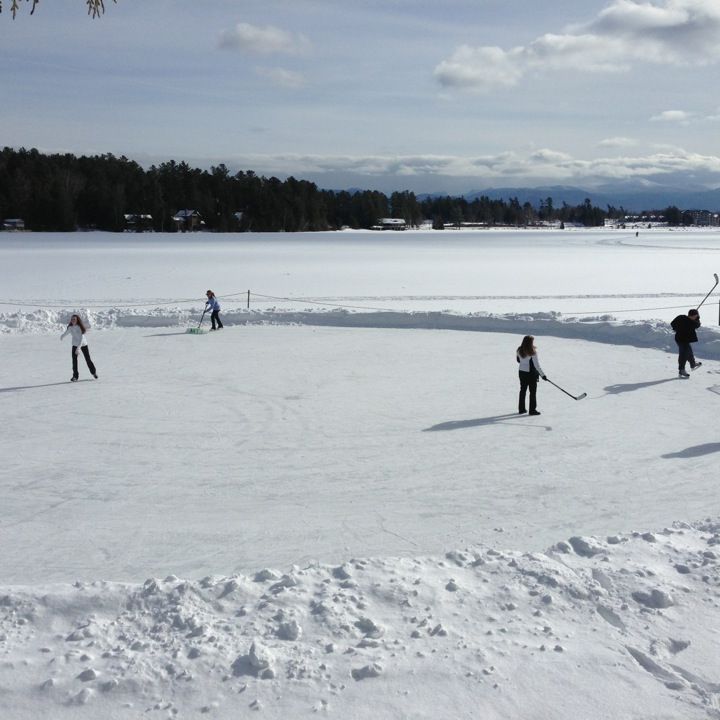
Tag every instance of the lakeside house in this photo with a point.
(13, 225)
(135, 222)
(188, 220)
(704, 218)
(390, 224)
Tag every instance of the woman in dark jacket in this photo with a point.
(685, 327)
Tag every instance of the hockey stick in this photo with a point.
(574, 397)
(711, 289)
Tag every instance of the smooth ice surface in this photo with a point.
(281, 444)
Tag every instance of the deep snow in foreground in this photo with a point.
(617, 627)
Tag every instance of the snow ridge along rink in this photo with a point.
(303, 518)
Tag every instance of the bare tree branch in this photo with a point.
(95, 8)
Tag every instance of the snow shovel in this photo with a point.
(197, 330)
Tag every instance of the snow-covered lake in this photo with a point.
(304, 438)
(574, 272)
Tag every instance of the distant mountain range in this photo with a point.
(632, 197)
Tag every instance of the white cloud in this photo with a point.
(549, 156)
(479, 67)
(683, 117)
(676, 32)
(617, 142)
(673, 116)
(282, 77)
(589, 52)
(539, 165)
(264, 40)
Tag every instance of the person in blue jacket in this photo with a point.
(214, 306)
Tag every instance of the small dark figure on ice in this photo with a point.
(214, 306)
(529, 370)
(685, 327)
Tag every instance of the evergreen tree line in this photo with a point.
(62, 192)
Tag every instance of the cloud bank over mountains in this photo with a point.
(541, 165)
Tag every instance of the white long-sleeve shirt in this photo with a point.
(78, 337)
(525, 363)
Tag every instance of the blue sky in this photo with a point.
(450, 95)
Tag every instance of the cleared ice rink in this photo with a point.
(283, 444)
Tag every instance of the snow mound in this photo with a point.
(605, 329)
(624, 623)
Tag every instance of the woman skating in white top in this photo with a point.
(76, 330)
(529, 369)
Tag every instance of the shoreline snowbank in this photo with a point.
(626, 623)
(603, 328)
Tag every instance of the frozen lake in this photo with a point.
(285, 444)
(574, 272)
(292, 442)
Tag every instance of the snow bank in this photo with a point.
(605, 328)
(625, 623)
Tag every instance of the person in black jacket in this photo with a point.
(685, 327)
(528, 371)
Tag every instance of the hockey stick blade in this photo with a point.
(580, 397)
(715, 275)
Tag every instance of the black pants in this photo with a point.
(215, 315)
(685, 354)
(528, 381)
(86, 353)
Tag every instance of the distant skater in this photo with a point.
(76, 330)
(529, 371)
(685, 327)
(214, 306)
